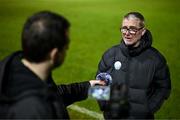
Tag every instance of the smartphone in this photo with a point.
(99, 92)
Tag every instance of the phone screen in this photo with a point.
(99, 92)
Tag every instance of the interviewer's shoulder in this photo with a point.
(30, 107)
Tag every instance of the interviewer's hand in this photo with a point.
(97, 82)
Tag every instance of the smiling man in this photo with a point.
(142, 68)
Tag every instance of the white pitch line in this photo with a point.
(86, 111)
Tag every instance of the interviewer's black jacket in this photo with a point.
(144, 70)
(40, 99)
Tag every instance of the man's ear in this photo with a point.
(54, 54)
(143, 32)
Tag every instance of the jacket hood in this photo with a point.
(145, 42)
(21, 79)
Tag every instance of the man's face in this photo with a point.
(131, 31)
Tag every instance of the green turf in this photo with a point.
(95, 28)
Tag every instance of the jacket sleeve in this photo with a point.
(73, 92)
(102, 67)
(162, 87)
(106, 62)
(105, 65)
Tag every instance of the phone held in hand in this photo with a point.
(101, 92)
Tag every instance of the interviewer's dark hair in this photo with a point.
(41, 33)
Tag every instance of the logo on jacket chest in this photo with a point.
(117, 65)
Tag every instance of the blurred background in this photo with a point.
(95, 28)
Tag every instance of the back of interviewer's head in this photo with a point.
(42, 32)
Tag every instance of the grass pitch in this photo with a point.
(95, 28)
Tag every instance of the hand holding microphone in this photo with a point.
(101, 90)
(106, 77)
